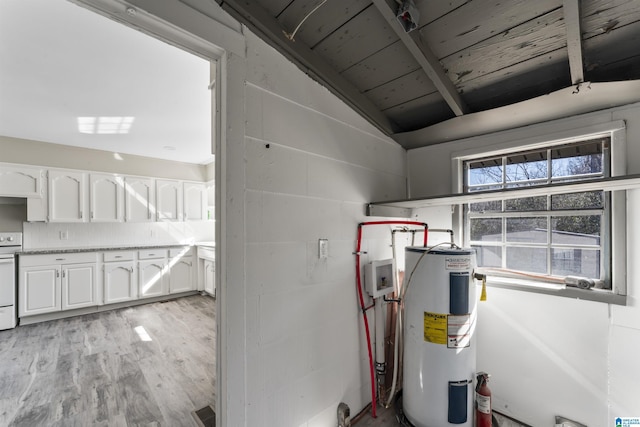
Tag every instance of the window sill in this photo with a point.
(597, 295)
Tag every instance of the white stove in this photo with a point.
(10, 244)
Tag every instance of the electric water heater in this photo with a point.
(439, 344)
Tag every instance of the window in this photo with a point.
(553, 235)
(537, 239)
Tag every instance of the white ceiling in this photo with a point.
(59, 61)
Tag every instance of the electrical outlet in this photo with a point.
(64, 234)
(323, 248)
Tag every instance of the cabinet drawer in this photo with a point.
(118, 256)
(207, 253)
(152, 253)
(60, 258)
(181, 251)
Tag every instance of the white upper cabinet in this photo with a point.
(195, 201)
(67, 196)
(140, 201)
(21, 181)
(169, 199)
(106, 195)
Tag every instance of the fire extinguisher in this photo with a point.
(483, 401)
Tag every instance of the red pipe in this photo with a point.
(361, 298)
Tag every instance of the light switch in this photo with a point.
(323, 248)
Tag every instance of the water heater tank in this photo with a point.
(439, 343)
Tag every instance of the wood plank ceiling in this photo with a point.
(465, 56)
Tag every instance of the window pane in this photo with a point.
(576, 230)
(587, 200)
(527, 259)
(486, 229)
(577, 159)
(488, 256)
(493, 206)
(575, 262)
(488, 171)
(527, 166)
(538, 203)
(529, 230)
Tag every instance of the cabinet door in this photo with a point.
(181, 275)
(66, 196)
(139, 199)
(209, 277)
(21, 181)
(39, 290)
(78, 286)
(106, 198)
(119, 282)
(151, 280)
(195, 201)
(169, 198)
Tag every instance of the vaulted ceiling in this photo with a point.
(463, 57)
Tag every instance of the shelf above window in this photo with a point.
(404, 208)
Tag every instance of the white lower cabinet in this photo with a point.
(151, 278)
(66, 281)
(78, 286)
(50, 283)
(119, 281)
(39, 290)
(210, 277)
(181, 270)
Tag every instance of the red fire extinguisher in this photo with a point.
(483, 401)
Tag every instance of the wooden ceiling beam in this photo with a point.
(251, 14)
(426, 58)
(571, 10)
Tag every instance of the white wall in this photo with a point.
(550, 355)
(323, 163)
(29, 152)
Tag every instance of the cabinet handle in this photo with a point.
(59, 259)
(131, 269)
(64, 273)
(57, 273)
(118, 256)
(92, 215)
(80, 214)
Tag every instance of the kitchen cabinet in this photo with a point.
(119, 278)
(50, 283)
(152, 270)
(210, 277)
(21, 181)
(139, 199)
(106, 198)
(78, 286)
(169, 200)
(181, 270)
(39, 290)
(195, 201)
(206, 262)
(67, 196)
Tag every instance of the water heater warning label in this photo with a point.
(458, 331)
(435, 328)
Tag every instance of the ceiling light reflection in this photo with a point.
(105, 125)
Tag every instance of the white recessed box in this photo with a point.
(380, 277)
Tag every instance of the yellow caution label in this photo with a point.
(435, 328)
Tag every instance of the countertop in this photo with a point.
(206, 244)
(96, 249)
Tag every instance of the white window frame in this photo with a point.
(618, 268)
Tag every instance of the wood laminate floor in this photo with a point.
(150, 365)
